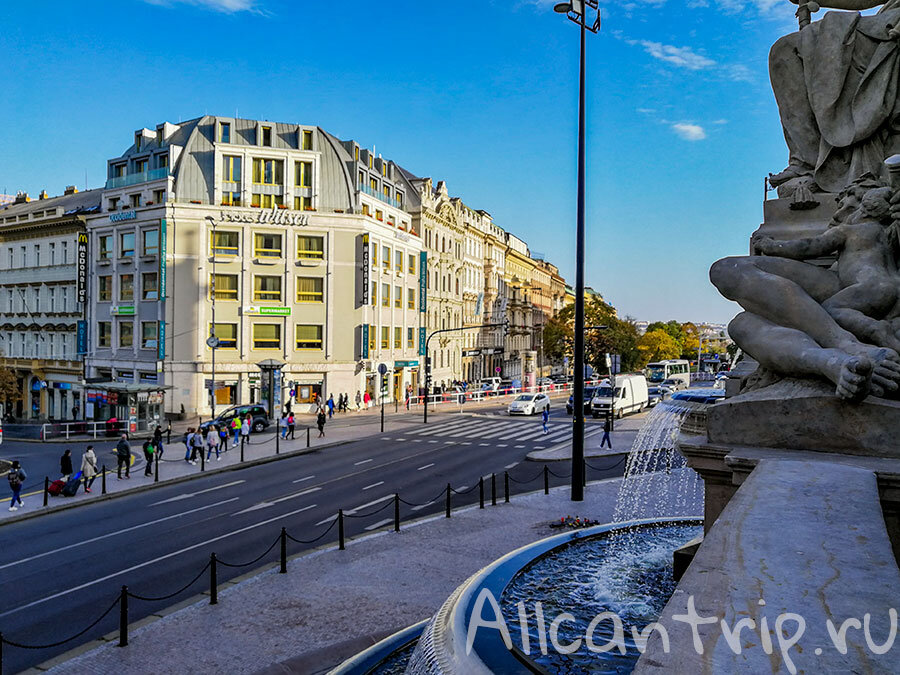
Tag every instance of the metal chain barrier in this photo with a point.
(255, 560)
(606, 468)
(312, 541)
(149, 598)
(432, 501)
(524, 482)
(560, 475)
(371, 513)
(4, 641)
(463, 492)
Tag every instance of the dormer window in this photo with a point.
(267, 137)
(371, 161)
(140, 166)
(224, 132)
(163, 160)
(138, 137)
(356, 153)
(307, 139)
(159, 136)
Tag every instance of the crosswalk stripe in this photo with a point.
(502, 429)
(443, 428)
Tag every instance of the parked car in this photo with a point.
(630, 396)
(588, 395)
(545, 382)
(656, 394)
(673, 384)
(257, 411)
(529, 404)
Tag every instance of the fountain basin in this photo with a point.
(442, 649)
(387, 657)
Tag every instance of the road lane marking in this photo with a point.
(422, 506)
(365, 461)
(301, 480)
(327, 520)
(501, 445)
(427, 466)
(199, 492)
(484, 445)
(466, 443)
(432, 441)
(510, 466)
(365, 506)
(147, 563)
(401, 439)
(417, 440)
(113, 534)
(520, 446)
(380, 523)
(265, 505)
(369, 487)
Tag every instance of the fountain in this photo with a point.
(625, 568)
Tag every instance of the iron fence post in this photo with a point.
(46, 489)
(341, 529)
(546, 480)
(283, 569)
(493, 489)
(213, 581)
(481, 492)
(123, 617)
(103, 478)
(396, 512)
(506, 486)
(448, 500)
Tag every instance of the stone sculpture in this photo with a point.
(841, 323)
(836, 84)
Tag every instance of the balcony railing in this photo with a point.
(135, 178)
(396, 203)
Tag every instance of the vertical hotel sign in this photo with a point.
(365, 270)
(162, 259)
(81, 285)
(423, 281)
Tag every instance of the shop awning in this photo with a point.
(127, 387)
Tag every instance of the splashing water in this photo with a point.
(658, 483)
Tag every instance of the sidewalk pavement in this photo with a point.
(622, 438)
(173, 468)
(331, 603)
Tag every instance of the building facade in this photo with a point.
(227, 242)
(42, 300)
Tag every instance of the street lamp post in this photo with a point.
(212, 341)
(576, 11)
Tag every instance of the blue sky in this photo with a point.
(682, 124)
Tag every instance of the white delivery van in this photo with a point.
(630, 396)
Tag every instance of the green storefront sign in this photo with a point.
(124, 310)
(274, 311)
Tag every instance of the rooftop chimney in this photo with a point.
(22, 198)
(43, 195)
(70, 190)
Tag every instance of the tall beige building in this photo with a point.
(279, 241)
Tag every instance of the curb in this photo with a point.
(171, 481)
(262, 569)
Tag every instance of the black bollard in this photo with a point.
(307, 437)
(277, 440)
(103, 479)
(283, 569)
(481, 492)
(506, 486)
(493, 489)
(156, 468)
(341, 529)
(448, 501)
(546, 480)
(396, 512)
(584, 473)
(213, 581)
(202, 459)
(242, 448)
(46, 489)
(123, 617)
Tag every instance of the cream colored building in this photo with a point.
(282, 241)
(519, 357)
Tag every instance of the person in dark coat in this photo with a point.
(123, 455)
(320, 422)
(607, 427)
(65, 465)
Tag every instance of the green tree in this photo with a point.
(9, 387)
(656, 345)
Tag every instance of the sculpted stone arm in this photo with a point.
(852, 5)
(801, 249)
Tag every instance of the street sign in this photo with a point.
(212, 342)
(382, 368)
(497, 369)
(471, 352)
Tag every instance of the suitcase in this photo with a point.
(71, 488)
(56, 487)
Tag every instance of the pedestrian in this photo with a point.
(65, 465)
(223, 439)
(212, 442)
(545, 418)
(187, 440)
(291, 425)
(284, 425)
(358, 400)
(197, 443)
(320, 422)
(88, 467)
(148, 449)
(157, 441)
(408, 395)
(16, 478)
(607, 427)
(75, 411)
(236, 430)
(330, 405)
(245, 430)
(123, 457)
(367, 399)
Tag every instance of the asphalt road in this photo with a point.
(60, 572)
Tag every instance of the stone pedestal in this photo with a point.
(782, 222)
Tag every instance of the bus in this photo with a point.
(676, 369)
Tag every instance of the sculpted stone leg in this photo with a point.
(800, 129)
(791, 352)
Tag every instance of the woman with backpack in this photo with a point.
(320, 422)
(16, 478)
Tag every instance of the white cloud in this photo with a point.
(683, 57)
(689, 132)
(226, 6)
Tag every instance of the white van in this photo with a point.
(630, 396)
